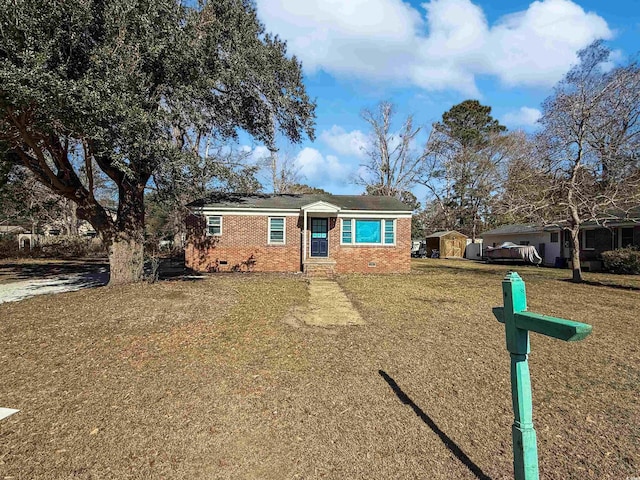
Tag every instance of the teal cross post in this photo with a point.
(518, 322)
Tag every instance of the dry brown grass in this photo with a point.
(204, 379)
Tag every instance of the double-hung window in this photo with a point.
(347, 230)
(277, 230)
(368, 231)
(589, 239)
(627, 237)
(214, 225)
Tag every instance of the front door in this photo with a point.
(319, 237)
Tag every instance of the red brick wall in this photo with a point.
(356, 259)
(243, 245)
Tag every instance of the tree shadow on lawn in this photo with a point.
(603, 284)
(448, 442)
(485, 269)
(87, 271)
(44, 269)
(495, 269)
(175, 269)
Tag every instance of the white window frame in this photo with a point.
(284, 231)
(209, 234)
(351, 223)
(393, 221)
(584, 240)
(621, 241)
(354, 221)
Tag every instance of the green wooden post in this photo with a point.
(518, 322)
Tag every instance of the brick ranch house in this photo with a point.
(299, 232)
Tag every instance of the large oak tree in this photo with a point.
(121, 85)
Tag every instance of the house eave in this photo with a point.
(247, 211)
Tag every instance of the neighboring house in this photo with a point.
(12, 230)
(448, 244)
(548, 240)
(51, 233)
(299, 232)
(553, 242)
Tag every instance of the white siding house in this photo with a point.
(547, 240)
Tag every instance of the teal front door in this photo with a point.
(319, 237)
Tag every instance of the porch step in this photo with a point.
(319, 268)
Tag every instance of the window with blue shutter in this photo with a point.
(276, 230)
(368, 231)
(346, 231)
(388, 231)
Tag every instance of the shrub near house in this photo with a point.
(299, 232)
(624, 260)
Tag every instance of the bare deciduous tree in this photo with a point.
(586, 165)
(283, 171)
(395, 163)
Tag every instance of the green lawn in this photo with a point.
(207, 379)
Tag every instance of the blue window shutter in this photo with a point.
(388, 231)
(346, 231)
(276, 230)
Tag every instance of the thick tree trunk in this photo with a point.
(575, 253)
(126, 243)
(126, 259)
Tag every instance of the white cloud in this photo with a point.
(257, 154)
(352, 143)
(318, 169)
(524, 117)
(539, 44)
(445, 45)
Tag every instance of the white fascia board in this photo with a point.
(373, 214)
(295, 212)
(267, 212)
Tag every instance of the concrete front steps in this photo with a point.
(319, 267)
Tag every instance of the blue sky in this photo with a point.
(426, 56)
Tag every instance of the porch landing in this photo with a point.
(319, 267)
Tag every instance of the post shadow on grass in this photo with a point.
(448, 442)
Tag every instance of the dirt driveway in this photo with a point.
(21, 279)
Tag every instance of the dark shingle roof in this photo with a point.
(614, 218)
(296, 201)
(514, 230)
